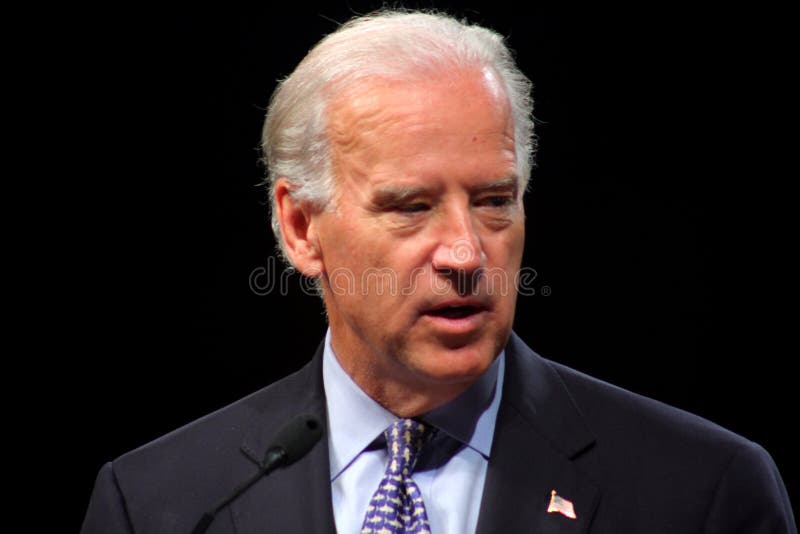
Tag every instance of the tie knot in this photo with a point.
(405, 440)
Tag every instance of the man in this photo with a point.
(398, 153)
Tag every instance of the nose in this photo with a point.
(459, 249)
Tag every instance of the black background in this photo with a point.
(656, 217)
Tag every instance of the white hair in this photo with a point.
(395, 45)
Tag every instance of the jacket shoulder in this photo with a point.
(270, 406)
(164, 485)
(659, 459)
(615, 413)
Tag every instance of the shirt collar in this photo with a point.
(355, 420)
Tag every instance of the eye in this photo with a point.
(415, 207)
(496, 201)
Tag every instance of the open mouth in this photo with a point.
(455, 312)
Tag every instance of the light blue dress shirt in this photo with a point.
(451, 473)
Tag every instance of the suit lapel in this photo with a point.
(539, 432)
(296, 498)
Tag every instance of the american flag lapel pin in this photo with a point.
(561, 506)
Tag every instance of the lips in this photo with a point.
(455, 309)
(457, 321)
(454, 312)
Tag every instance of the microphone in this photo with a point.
(293, 441)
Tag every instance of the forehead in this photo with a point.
(388, 119)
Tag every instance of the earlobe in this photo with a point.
(298, 230)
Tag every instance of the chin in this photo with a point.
(458, 365)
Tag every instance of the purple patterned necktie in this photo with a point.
(397, 507)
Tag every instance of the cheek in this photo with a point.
(344, 243)
(516, 242)
(506, 251)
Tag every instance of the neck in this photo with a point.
(396, 388)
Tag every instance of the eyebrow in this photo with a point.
(389, 195)
(505, 184)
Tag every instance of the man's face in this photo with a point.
(421, 254)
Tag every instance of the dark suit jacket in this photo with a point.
(628, 464)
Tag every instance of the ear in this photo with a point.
(298, 229)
